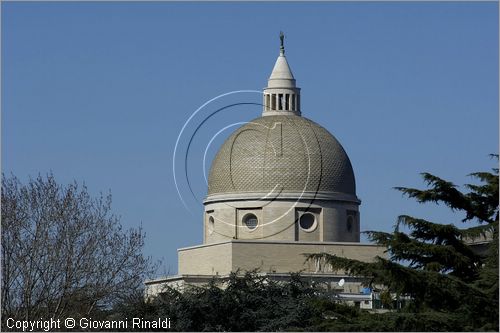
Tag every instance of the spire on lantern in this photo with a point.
(281, 97)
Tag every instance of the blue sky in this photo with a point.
(98, 92)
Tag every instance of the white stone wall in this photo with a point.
(212, 259)
(278, 221)
(271, 257)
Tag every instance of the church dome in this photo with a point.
(278, 154)
(281, 154)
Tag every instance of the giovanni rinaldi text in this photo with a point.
(86, 323)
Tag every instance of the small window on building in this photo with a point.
(350, 222)
(273, 101)
(211, 225)
(268, 102)
(250, 221)
(307, 222)
(293, 102)
(287, 102)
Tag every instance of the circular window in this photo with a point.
(251, 221)
(307, 222)
(211, 225)
(350, 222)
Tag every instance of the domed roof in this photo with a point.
(281, 154)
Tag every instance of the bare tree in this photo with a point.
(63, 251)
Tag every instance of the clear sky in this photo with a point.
(99, 92)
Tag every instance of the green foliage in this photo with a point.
(251, 302)
(247, 303)
(386, 299)
(241, 303)
(450, 284)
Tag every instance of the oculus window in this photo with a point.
(250, 221)
(307, 222)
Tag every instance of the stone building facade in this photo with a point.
(279, 187)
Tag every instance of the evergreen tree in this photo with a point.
(450, 285)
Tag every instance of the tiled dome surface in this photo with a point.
(289, 154)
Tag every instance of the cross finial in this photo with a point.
(282, 39)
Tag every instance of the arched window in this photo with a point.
(211, 225)
(350, 223)
(273, 101)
